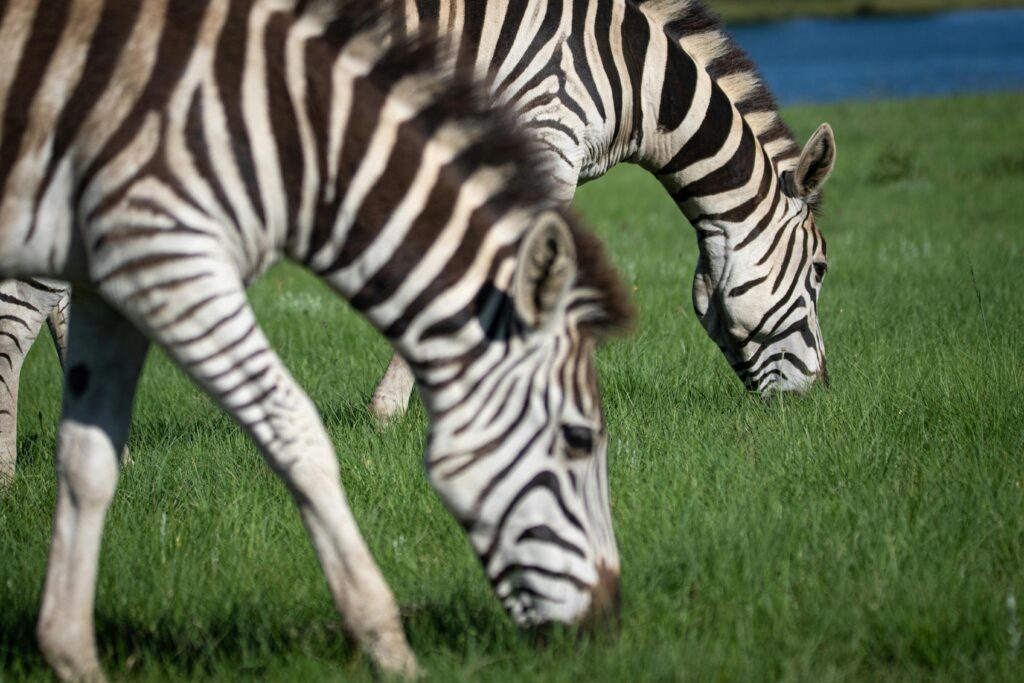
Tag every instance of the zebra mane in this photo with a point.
(699, 31)
(454, 97)
(596, 274)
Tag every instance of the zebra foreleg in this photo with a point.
(391, 397)
(211, 332)
(105, 357)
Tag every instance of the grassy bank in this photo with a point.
(760, 10)
(873, 531)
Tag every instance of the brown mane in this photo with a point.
(596, 273)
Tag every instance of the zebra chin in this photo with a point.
(785, 378)
(537, 601)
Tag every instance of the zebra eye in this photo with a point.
(580, 440)
(820, 269)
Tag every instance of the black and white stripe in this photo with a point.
(161, 154)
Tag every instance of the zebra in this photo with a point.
(160, 155)
(660, 84)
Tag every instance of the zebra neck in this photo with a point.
(431, 279)
(704, 151)
(712, 133)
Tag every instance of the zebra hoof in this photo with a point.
(71, 657)
(396, 662)
(385, 409)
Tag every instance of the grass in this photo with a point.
(761, 10)
(873, 531)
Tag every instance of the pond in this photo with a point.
(827, 60)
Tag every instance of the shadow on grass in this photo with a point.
(235, 640)
(252, 638)
(471, 627)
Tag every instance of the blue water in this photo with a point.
(827, 60)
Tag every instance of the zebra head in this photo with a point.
(520, 457)
(756, 288)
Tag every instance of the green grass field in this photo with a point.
(759, 10)
(873, 531)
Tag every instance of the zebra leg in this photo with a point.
(391, 397)
(57, 321)
(105, 357)
(212, 334)
(21, 318)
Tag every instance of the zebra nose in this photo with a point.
(604, 600)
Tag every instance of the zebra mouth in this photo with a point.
(522, 610)
(532, 604)
(782, 372)
(770, 384)
(776, 382)
(521, 602)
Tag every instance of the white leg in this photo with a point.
(22, 311)
(213, 336)
(105, 356)
(391, 397)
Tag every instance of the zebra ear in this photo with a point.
(545, 269)
(816, 162)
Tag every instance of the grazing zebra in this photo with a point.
(161, 154)
(658, 83)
